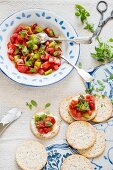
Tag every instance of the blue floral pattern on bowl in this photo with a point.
(102, 73)
(58, 152)
(44, 18)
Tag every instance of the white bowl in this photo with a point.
(44, 18)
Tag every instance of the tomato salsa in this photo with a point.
(29, 55)
(82, 108)
(44, 123)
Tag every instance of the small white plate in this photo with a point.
(44, 18)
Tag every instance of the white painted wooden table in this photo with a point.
(15, 95)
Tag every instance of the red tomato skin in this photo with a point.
(10, 51)
(41, 71)
(73, 104)
(45, 65)
(47, 43)
(51, 59)
(19, 39)
(50, 50)
(45, 57)
(11, 57)
(47, 129)
(41, 130)
(22, 68)
(50, 119)
(40, 124)
(47, 30)
(58, 62)
(19, 28)
(55, 67)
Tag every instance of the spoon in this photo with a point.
(43, 37)
(86, 77)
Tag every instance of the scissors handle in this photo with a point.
(100, 9)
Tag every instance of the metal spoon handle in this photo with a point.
(83, 74)
(77, 40)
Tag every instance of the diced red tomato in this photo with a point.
(46, 65)
(50, 119)
(92, 105)
(45, 57)
(58, 62)
(40, 124)
(55, 67)
(22, 68)
(41, 130)
(73, 104)
(50, 50)
(47, 43)
(10, 51)
(13, 37)
(20, 28)
(47, 30)
(47, 129)
(51, 59)
(41, 71)
(19, 39)
(89, 112)
(11, 57)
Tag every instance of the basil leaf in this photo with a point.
(80, 65)
(34, 103)
(48, 124)
(29, 105)
(47, 105)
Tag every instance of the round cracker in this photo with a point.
(50, 134)
(81, 135)
(97, 149)
(31, 155)
(64, 110)
(84, 119)
(76, 162)
(104, 109)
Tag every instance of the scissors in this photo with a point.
(102, 21)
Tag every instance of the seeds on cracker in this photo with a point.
(76, 162)
(81, 135)
(97, 149)
(31, 155)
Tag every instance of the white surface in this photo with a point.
(15, 95)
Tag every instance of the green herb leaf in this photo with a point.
(81, 12)
(16, 51)
(48, 124)
(47, 105)
(29, 105)
(47, 112)
(80, 65)
(103, 52)
(43, 116)
(34, 103)
(33, 70)
(110, 40)
(23, 33)
(19, 46)
(90, 90)
(36, 117)
(25, 50)
(111, 77)
(82, 105)
(89, 27)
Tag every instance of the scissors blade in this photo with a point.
(97, 31)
